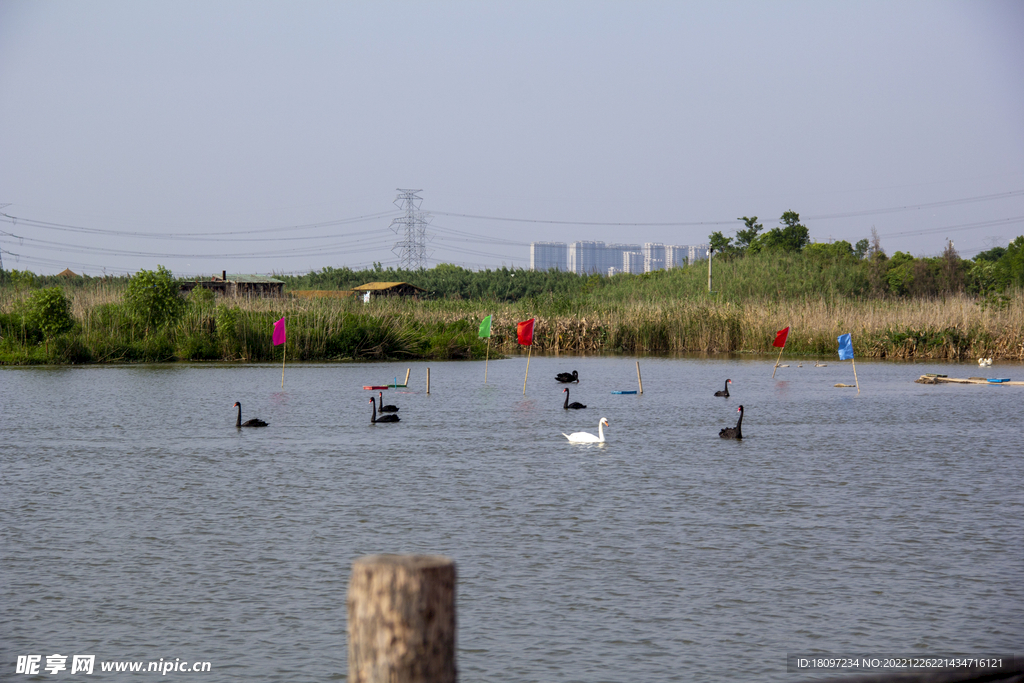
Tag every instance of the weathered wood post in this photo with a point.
(401, 619)
(428, 380)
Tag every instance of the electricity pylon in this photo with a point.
(412, 249)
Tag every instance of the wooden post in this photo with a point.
(777, 361)
(639, 381)
(284, 352)
(855, 380)
(487, 358)
(428, 380)
(528, 353)
(401, 619)
(407, 371)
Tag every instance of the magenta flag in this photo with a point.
(279, 334)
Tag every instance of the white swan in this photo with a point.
(587, 437)
(984, 362)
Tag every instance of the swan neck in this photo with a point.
(238, 422)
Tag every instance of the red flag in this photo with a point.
(279, 332)
(525, 332)
(780, 338)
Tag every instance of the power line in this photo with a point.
(955, 228)
(189, 235)
(411, 249)
(915, 207)
(593, 223)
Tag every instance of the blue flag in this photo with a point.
(845, 347)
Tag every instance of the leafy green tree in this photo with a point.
(899, 274)
(792, 236)
(152, 296)
(981, 277)
(992, 255)
(860, 250)
(1009, 271)
(746, 237)
(50, 311)
(720, 244)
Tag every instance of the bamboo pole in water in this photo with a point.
(428, 380)
(528, 353)
(401, 619)
(638, 379)
(407, 371)
(487, 358)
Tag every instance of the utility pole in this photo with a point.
(3, 206)
(412, 250)
(710, 252)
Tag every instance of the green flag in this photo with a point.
(485, 328)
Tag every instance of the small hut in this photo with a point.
(375, 289)
(258, 286)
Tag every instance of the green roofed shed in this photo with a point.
(239, 285)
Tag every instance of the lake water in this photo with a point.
(138, 523)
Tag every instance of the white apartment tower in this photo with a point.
(654, 256)
(698, 252)
(546, 256)
(587, 257)
(632, 262)
(676, 256)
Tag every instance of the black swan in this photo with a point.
(724, 392)
(565, 377)
(383, 418)
(384, 408)
(571, 406)
(254, 422)
(733, 432)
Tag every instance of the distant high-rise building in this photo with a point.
(614, 252)
(698, 252)
(676, 256)
(586, 258)
(589, 257)
(654, 256)
(547, 255)
(632, 262)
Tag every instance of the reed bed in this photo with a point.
(955, 327)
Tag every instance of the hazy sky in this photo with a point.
(148, 130)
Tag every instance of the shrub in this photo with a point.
(153, 297)
(50, 311)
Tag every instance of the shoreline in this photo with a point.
(955, 328)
